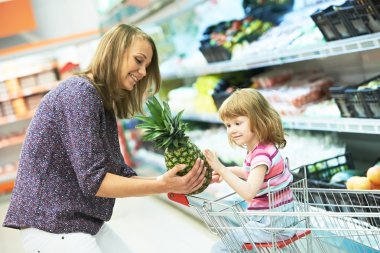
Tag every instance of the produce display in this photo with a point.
(219, 40)
(369, 182)
(168, 132)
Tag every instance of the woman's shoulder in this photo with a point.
(76, 87)
(77, 83)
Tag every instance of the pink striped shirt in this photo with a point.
(276, 178)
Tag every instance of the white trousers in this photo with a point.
(105, 241)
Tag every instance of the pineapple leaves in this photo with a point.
(161, 127)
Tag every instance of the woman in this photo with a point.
(71, 169)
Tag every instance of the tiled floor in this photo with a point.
(148, 225)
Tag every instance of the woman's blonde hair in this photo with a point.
(106, 65)
(265, 121)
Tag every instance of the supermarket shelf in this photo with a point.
(347, 125)
(8, 177)
(282, 56)
(13, 118)
(28, 91)
(13, 142)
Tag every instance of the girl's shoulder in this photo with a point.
(268, 148)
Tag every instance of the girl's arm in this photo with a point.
(238, 171)
(246, 189)
(115, 186)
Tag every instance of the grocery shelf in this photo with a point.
(347, 125)
(281, 56)
(13, 118)
(28, 91)
(13, 142)
(8, 177)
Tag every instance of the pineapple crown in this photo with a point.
(161, 127)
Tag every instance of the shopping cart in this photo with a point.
(319, 220)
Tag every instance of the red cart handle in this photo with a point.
(179, 198)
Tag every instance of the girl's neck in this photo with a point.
(252, 147)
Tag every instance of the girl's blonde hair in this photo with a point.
(106, 65)
(265, 121)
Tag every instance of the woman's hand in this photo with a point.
(213, 161)
(188, 183)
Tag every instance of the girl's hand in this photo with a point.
(188, 183)
(213, 161)
(216, 178)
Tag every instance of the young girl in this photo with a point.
(253, 124)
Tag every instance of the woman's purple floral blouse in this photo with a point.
(71, 143)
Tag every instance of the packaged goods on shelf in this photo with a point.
(33, 101)
(13, 86)
(19, 106)
(28, 81)
(3, 90)
(292, 96)
(297, 30)
(7, 108)
(11, 139)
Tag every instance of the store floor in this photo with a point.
(148, 225)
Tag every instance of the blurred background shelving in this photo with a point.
(292, 47)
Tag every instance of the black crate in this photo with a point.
(357, 19)
(372, 100)
(215, 53)
(339, 96)
(319, 173)
(219, 97)
(323, 23)
(336, 17)
(357, 103)
(372, 7)
(359, 107)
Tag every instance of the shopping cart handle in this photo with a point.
(179, 198)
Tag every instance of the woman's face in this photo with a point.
(136, 61)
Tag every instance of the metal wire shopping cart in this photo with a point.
(319, 220)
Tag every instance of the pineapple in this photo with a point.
(168, 133)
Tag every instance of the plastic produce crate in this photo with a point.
(359, 107)
(320, 173)
(372, 100)
(335, 14)
(215, 53)
(219, 98)
(357, 103)
(357, 19)
(339, 96)
(322, 21)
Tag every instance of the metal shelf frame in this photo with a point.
(281, 56)
(344, 125)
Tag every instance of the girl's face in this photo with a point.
(136, 61)
(239, 131)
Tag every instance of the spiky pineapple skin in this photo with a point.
(187, 155)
